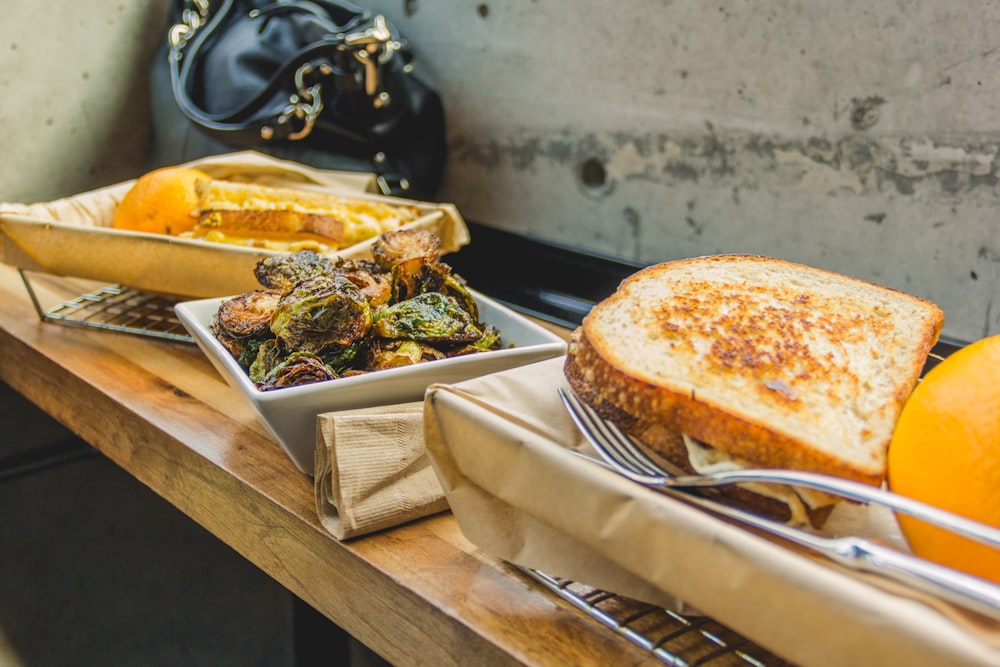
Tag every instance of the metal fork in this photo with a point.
(621, 452)
(857, 553)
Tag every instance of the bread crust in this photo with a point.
(753, 350)
(273, 224)
(663, 440)
(667, 446)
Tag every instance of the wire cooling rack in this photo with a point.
(115, 308)
(675, 639)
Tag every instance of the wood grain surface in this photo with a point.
(419, 594)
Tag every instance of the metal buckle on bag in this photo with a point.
(304, 105)
(373, 47)
(191, 19)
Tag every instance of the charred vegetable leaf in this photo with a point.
(283, 271)
(370, 278)
(296, 369)
(341, 361)
(395, 353)
(418, 275)
(430, 317)
(321, 313)
(242, 323)
(490, 339)
(392, 248)
(455, 286)
(269, 355)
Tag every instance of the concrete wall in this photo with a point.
(74, 100)
(857, 136)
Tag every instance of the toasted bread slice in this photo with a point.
(772, 363)
(670, 449)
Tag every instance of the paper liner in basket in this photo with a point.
(73, 237)
(503, 448)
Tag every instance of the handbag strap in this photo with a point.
(368, 39)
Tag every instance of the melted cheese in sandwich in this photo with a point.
(705, 459)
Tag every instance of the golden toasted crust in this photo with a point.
(270, 224)
(774, 363)
(664, 441)
(667, 445)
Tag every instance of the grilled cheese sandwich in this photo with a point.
(767, 362)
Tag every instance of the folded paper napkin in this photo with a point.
(372, 471)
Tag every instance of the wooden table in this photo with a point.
(418, 594)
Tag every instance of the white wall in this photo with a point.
(855, 135)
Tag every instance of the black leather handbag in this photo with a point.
(324, 83)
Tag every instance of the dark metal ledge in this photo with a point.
(556, 283)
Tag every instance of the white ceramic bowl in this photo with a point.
(290, 413)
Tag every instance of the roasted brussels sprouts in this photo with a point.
(282, 271)
(317, 319)
(456, 287)
(392, 248)
(430, 317)
(247, 315)
(296, 369)
(243, 322)
(269, 355)
(274, 368)
(417, 275)
(383, 354)
(370, 278)
(321, 313)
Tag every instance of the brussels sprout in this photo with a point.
(398, 246)
(370, 278)
(282, 271)
(341, 360)
(318, 319)
(325, 312)
(456, 286)
(243, 322)
(430, 317)
(268, 356)
(395, 353)
(417, 275)
(296, 369)
(247, 315)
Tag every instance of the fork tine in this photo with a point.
(585, 422)
(620, 443)
(616, 447)
(628, 448)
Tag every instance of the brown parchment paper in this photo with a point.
(504, 450)
(73, 236)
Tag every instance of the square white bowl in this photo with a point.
(290, 413)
